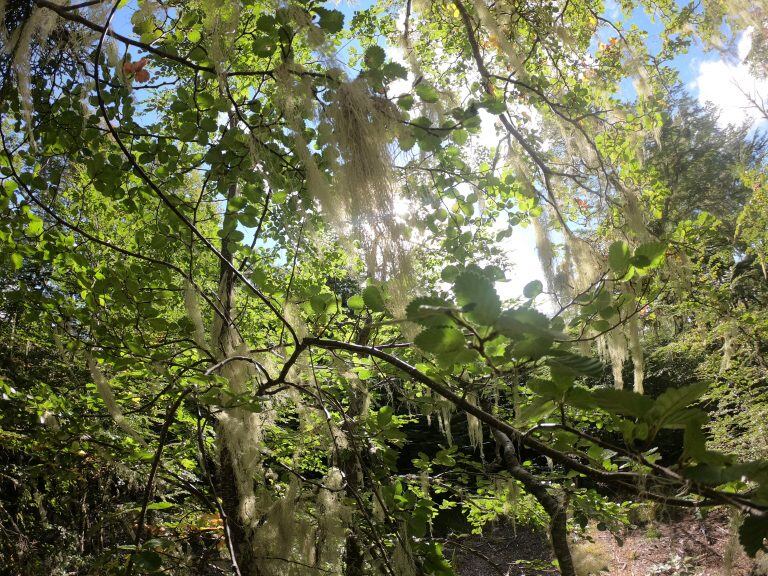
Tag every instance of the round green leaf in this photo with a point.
(374, 57)
(618, 257)
(533, 289)
(148, 560)
(374, 299)
(440, 339)
(476, 294)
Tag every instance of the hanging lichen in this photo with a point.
(728, 349)
(587, 265)
(108, 396)
(220, 20)
(292, 315)
(444, 413)
(474, 427)
(612, 346)
(636, 350)
(545, 250)
(632, 211)
(317, 183)
(499, 38)
(362, 130)
(333, 519)
(35, 29)
(277, 530)
(193, 313)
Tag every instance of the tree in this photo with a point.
(204, 203)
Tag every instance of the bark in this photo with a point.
(230, 501)
(226, 341)
(353, 555)
(353, 472)
(555, 508)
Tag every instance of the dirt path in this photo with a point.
(683, 546)
(504, 550)
(687, 546)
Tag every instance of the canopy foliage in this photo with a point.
(253, 258)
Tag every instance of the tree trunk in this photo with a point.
(230, 501)
(555, 508)
(353, 471)
(226, 342)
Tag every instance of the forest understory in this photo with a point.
(383, 287)
(683, 545)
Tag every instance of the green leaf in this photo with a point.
(579, 397)
(548, 388)
(695, 440)
(652, 252)
(639, 261)
(618, 257)
(622, 402)
(495, 106)
(160, 505)
(394, 70)
(374, 299)
(427, 92)
(672, 401)
(706, 474)
(440, 339)
(465, 356)
(753, 533)
(320, 302)
(449, 273)
(331, 21)
(417, 521)
(722, 471)
(476, 294)
(405, 101)
(529, 317)
(460, 137)
(428, 311)
(384, 416)
(356, 302)
(35, 226)
(263, 46)
(148, 560)
(374, 57)
(533, 289)
(435, 562)
(17, 260)
(445, 457)
(576, 364)
(267, 22)
(205, 99)
(537, 410)
(533, 347)
(236, 236)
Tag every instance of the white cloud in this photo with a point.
(726, 84)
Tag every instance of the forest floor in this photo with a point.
(682, 546)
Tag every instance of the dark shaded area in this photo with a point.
(502, 549)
